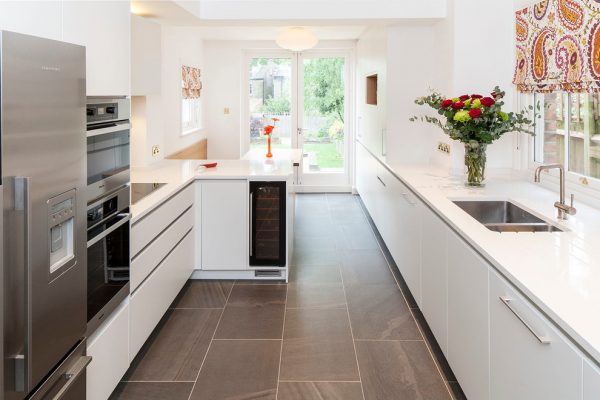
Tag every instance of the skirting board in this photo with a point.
(197, 151)
(237, 275)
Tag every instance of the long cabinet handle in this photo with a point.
(382, 182)
(125, 218)
(72, 375)
(540, 338)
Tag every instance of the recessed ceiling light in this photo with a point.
(297, 39)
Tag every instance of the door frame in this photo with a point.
(297, 94)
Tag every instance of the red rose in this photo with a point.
(464, 97)
(446, 103)
(488, 101)
(458, 105)
(475, 113)
(476, 96)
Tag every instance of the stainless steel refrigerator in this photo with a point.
(43, 148)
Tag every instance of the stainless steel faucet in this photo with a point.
(563, 209)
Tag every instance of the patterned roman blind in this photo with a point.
(558, 47)
(190, 82)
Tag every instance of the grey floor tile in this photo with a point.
(239, 369)
(318, 346)
(321, 242)
(308, 256)
(152, 391)
(356, 236)
(316, 295)
(379, 312)
(341, 199)
(440, 359)
(399, 370)
(316, 274)
(365, 267)
(203, 294)
(253, 312)
(177, 347)
(319, 391)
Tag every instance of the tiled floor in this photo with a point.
(342, 329)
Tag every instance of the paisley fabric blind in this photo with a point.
(558, 47)
(190, 82)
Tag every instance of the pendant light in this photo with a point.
(297, 39)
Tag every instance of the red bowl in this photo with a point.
(209, 165)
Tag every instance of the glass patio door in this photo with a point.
(308, 94)
(322, 116)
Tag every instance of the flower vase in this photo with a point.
(475, 159)
(269, 154)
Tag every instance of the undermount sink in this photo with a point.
(504, 216)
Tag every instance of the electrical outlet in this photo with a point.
(155, 151)
(443, 147)
(226, 110)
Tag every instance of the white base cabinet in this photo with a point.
(434, 275)
(591, 381)
(109, 349)
(468, 328)
(224, 230)
(529, 358)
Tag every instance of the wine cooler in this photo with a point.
(268, 224)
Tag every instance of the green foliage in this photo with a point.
(324, 87)
(485, 128)
(278, 106)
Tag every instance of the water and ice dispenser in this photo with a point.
(61, 229)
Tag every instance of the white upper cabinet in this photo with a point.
(529, 358)
(468, 329)
(104, 28)
(146, 53)
(36, 18)
(434, 272)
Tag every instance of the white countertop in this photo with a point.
(294, 155)
(179, 173)
(559, 272)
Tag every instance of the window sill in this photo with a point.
(190, 132)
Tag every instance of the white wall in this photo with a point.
(223, 88)
(156, 116)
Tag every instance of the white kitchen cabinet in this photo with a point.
(400, 227)
(367, 184)
(225, 242)
(104, 28)
(37, 18)
(434, 275)
(529, 358)
(152, 298)
(109, 349)
(468, 328)
(591, 381)
(146, 53)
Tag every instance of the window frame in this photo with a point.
(587, 188)
(197, 126)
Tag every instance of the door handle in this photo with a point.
(22, 202)
(540, 338)
(382, 182)
(72, 375)
(125, 218)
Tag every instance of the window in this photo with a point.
(190, 115)
(568, 131)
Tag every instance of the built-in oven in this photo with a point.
(108, 145)
(108, 230)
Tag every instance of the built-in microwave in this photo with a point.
(108, 145)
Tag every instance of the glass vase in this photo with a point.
(269, 154)
(475, 159)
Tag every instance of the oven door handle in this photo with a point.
(126, 218)
(116, 128)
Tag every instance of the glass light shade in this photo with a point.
(297, 39)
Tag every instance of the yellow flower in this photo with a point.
(476, 103)
(462, 116)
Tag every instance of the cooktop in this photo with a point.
(141, 190)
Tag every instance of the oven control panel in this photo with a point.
(102, 112)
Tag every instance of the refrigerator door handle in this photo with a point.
(72, 375)
(23, 203)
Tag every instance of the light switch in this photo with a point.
(226, 110)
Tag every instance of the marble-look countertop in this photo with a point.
(294, 155)
(559, 272)
(179, 173)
